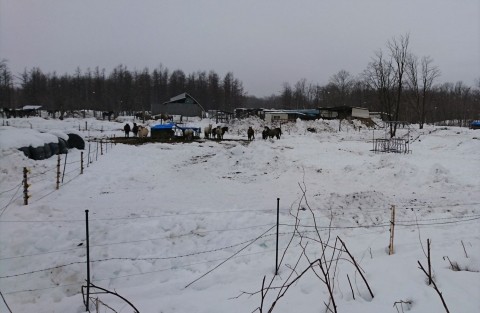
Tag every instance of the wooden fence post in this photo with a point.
(58, 171)
(25, 186)
(101, 146)
(392, 230)
(81, 162)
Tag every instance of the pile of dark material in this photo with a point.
(54, 148)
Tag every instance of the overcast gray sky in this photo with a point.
(263, 42)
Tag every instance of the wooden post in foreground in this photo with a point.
(392, 230)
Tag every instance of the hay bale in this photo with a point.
(26, 151)
(62, 146)
(54, 148)
(75, 141)
(37, 153)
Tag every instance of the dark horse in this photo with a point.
(250, 133)
(107, 114)
(220, 131)
(276, 132)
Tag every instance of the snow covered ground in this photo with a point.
(164, 215)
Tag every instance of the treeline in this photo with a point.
(397, 83)
(120, 90)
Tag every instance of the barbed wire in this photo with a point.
(73, 162)
(72, 170)
(5, 191)
(68, 181)
(140, 240)
(141, 259)
(413, 223)
(142, 273)
(12, 199)
(42, 173)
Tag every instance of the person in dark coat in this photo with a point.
(135, 129)
(126, 128)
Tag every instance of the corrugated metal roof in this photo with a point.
(31, 107)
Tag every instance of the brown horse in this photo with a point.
(276, 132)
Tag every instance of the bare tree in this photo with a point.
(379, 76)
(387, 77)
(399, 53)
(421, 84)
(343, 83)
(6, 85)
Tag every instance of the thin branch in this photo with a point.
(435, 287)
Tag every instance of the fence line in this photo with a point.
(140, 259)
(215, 212)
(325, 228)
(42, 175)
(137, 241)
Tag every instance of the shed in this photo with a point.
(290, 115)
(183, 104)
(342, 112)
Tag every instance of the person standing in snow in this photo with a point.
(126, 128)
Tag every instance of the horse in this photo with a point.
(220, 131)
(142, 131)
(250, 133)
(276, 132)
(208, 131)
(107, 114)
(188, 134)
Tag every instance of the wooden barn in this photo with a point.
(183, 105)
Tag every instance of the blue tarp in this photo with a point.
(171, 126)
(164, 126)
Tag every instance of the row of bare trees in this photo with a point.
(121, 90)
(396, 83)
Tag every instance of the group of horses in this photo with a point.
(214, 132)
(271, 132)
(218, 132)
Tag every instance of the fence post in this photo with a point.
(64, 166)
(81, 162)
(88, 159)
(88, 262)
(278, 220)
(86, 126)
(429, 263)
(96, 153)
(58, 171)
(392, 229)
(101, 146)
(25, 186)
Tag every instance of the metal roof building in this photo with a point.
(183, 104)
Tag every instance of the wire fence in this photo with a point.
(291, 230)
(33, 181)
(70, 171)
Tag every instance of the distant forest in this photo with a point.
(395, 82)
